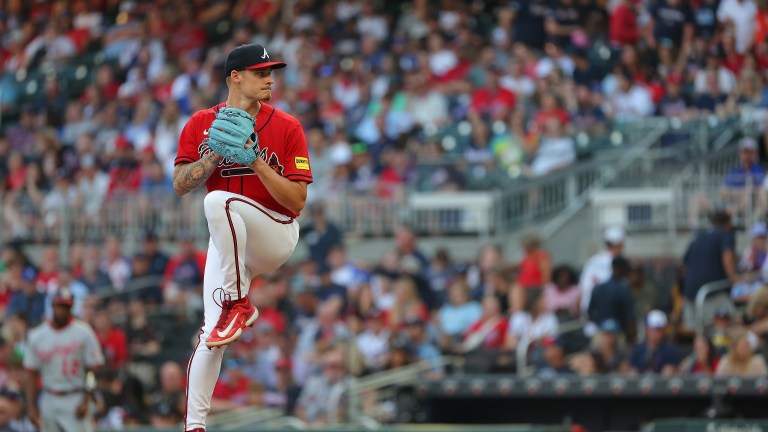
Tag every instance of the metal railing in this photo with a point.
(638, 158)
(698, 188)
(707, 291)
(368, 394)
(521, 352)
(121, 216)
(600, 173)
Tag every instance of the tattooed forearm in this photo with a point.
(188, 177)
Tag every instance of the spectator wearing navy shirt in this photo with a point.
(612, 300)
(674, 103)
(151, 249)
(320, 234)
(710, 257)
(563, 20)
(655, 354)
(28, 302)
(705, 19)
(671, 21)
(529, 17)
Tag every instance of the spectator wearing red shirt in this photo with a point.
(703, 360)
(231, 390)
(17, 171)
(536, 265)
(184, 272)
(113, 342)
(125, 173)
(490, 331)
(490, 101)
(188, 34)
(394, 174)
(623, 24)
(46, 279)
(268, 312)
(550, 109)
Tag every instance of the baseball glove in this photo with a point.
(229, 134)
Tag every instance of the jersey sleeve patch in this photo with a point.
(301, 163)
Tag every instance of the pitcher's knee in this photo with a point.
(215, 202)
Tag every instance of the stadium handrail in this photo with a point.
(406, 375)
(706, 291)
(611, 170)
(521, 352)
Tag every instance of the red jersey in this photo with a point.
(115, 347)
(282, 143)
(530, 275)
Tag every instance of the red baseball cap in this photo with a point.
(251, 56)
(63, 297)
(283, 363)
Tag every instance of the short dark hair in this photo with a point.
(620, 263)
(720, 218)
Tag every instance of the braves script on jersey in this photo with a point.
(63, 355)
(282, 143)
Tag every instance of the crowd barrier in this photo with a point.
(599, 403)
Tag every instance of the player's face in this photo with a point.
(257, 84)
(61, 314)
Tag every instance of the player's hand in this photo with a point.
(230, 135)
(82, 409)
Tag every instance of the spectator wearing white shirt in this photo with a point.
(531, 324)
(92, 187)
(725, 78)
(630, 100)
(115, 264)
(427, 106)
(167, 134)
(371, 24)
(517, 81)
(597, 269)
(556, 150)
(738, 16)
(61, 198)
(555, 59)
(373, 343)
(441, 58)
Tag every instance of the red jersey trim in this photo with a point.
(234, 242)
(310, 178)
(268, 118)
(284, 222)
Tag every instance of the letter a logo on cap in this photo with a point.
(265, 54)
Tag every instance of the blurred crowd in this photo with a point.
(328, 318)
(381, 88)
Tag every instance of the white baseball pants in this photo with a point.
(247, 239)
(57, 413)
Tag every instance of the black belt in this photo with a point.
(63, 392)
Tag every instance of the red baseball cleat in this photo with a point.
(235, 315)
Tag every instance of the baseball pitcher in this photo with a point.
(253, 159)
(61, 353)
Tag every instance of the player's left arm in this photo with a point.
(288, 193)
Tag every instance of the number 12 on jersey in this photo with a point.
(70, 367)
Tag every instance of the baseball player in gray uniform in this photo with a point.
(61, 353)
